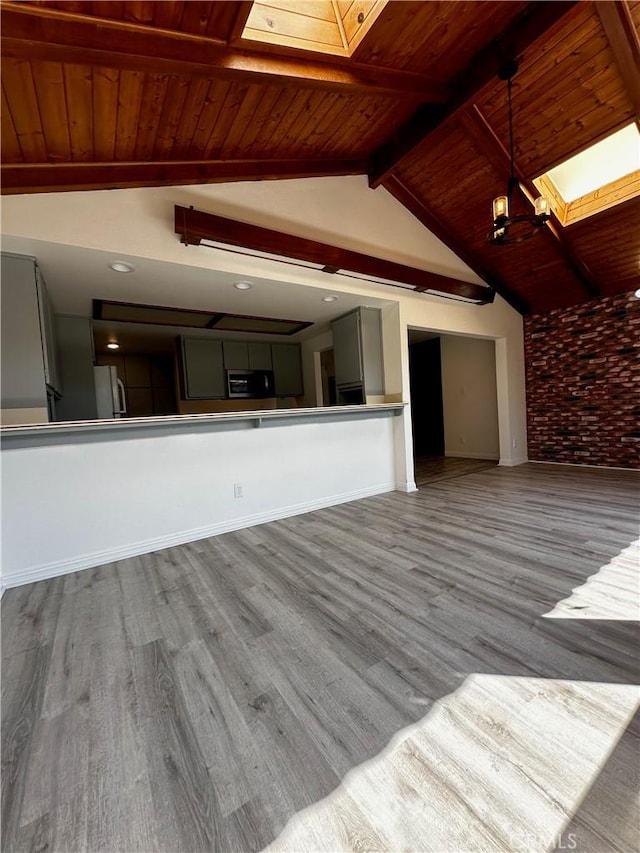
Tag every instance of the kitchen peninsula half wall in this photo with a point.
(168, 480)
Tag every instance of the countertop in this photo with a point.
(119, 426)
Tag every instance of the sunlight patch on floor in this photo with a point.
(612, 593)
(500, 764)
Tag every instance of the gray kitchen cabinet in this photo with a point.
(357, 350)
(236, 355)
(347, 350)
(75, 347)
(287, 370)
(202, 369)
(29, 380)
(48, 336)
(246, 355)
(260, 356)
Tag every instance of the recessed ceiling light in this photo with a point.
(113, 345)
(329, 298)
(121, 266)
(243, 285)
(637, 294)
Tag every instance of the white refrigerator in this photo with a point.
(111, 401)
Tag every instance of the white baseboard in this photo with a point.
(406, 486)
(47, 571)
(510, 463)
(456, 455)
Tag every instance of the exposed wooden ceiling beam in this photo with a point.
(422, 213)
(35, 33)
(195, 226)
(484, 137)
(59, 177)
(621, 33)
(523, 31)
(244, 10)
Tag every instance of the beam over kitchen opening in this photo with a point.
(193, 226)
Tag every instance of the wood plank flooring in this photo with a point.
(388, 674)
(431, 469)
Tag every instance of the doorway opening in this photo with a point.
(454, 408)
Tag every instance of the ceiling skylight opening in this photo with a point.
(606, 174)
(324, 26)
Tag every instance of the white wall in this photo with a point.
(340, 211)
(74, 505)
(469, 397)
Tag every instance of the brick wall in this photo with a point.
(583, 383)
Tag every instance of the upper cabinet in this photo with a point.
(30, 380)
(259, 356)
(76, 359)
(287, 370)
(236, 355)
(205, 360)
(347, 349)
(203, 368)
(247, 355)
(48, 336)
(357, 349)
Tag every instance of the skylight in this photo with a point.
(325, 26)
(600, 177)
(606, 161)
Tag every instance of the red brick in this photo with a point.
(575, 359)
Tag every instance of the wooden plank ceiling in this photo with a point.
(123, 94)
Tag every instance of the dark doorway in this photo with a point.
(425, 380)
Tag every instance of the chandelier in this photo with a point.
(509, 227)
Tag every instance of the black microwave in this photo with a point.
(250, 383)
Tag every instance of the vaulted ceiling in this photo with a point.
(125, 94)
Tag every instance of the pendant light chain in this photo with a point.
(512, 176)
(508, 226)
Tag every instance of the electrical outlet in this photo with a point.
(515, 443)
(238, 490)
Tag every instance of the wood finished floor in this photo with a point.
(380, 675)
(431, 469)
